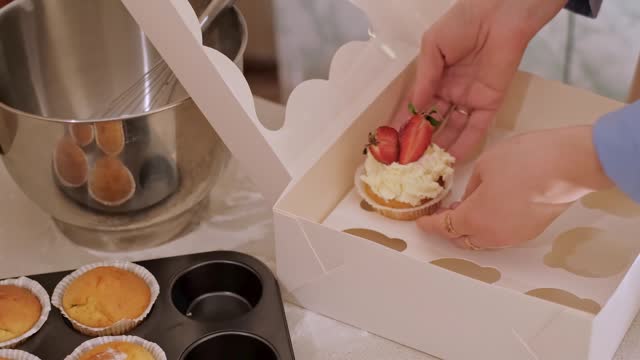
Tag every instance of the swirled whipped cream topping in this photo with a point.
(410, 183)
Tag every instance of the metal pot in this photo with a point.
(110, 184)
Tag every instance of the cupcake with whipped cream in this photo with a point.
(405, 176)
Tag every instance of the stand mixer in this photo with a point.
(110, 183)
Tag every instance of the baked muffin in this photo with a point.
(20, 310)
(118, 350)
(101, 297)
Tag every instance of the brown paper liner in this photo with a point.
(410, 215)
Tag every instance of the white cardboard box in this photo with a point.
(570, 294)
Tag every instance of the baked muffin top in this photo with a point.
(105, 295)
(118, 350)
(20, 310)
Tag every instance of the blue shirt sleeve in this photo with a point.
(616, 137)
(589, 8)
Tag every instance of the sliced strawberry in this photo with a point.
(415, 136)
(383, 145)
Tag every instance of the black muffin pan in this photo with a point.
(216, 305)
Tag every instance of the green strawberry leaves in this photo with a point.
(427, 116)
(412, 109)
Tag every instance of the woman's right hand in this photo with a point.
(521, 185)
(468, 59)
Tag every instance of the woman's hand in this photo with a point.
(468, 59)
(520, 186)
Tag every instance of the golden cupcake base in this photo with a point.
(397, 210)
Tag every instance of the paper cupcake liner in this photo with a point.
(410, 214)
(155, 350)
(121, 326)
(42, 296)
(60, 178)
(17, 355)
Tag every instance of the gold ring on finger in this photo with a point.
(469, 244)
(462, 111)
(448, 225)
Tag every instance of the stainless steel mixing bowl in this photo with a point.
(109, 184)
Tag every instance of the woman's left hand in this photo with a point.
(519, 187)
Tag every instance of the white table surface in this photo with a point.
(238, 219)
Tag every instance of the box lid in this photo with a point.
(317, 110)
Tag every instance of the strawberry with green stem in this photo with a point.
(415, 136)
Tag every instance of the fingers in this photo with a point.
(460, 224)
(475, 131)
(430, 66)
(403, 115)
(450, 224)
(462, 241)
(447, 224)
(452, 129)
(474, 182)
(429, 69)
(442, 107)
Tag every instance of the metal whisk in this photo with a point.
(157, 85)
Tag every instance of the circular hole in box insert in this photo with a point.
(591, 252)
(230, 346)
(216, 291)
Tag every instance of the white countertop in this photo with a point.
(238, 219)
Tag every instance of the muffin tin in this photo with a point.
(215, 305)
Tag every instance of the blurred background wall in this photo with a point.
(299, 37)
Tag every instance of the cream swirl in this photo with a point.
(410, 183)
